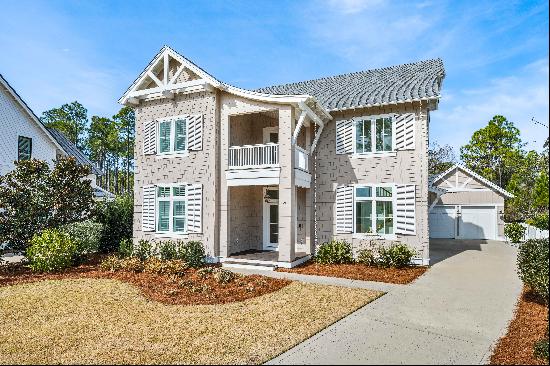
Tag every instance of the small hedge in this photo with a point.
(514, 231)
(50, 251)
(192, 252)
(86, 235)
(533, 265)
(398, 255)
(334, 252)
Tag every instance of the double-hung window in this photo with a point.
(24, 148)
(172, 136)
(374, 209)
(171, 207)
(373, 135)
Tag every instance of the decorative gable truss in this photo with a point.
(461, 179)
(167, 74)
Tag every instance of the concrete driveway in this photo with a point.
(452, 315)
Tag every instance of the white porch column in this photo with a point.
(287, 188)
(225, 228)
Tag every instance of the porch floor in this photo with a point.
(263, 255)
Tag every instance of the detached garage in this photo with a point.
(464, 205)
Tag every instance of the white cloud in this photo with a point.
(518, 97)
(353, 6)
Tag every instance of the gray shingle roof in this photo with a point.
(72, 150)
(414, 81)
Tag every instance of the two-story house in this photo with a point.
(263, 176)
(23, 136)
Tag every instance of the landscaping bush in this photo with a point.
(223, 275)
(117, 217)
(334, 252)
(514, 231)
(112, 263)
(51, 251)
(132, 264)
(169, 250)
(541, 349)
(533, 265)
(400, 255)
(126, 248)
(192, 253)
(86, 236)
(174, 267)
(367, 257)
(540, 221)
(144, 250)
(34, 197)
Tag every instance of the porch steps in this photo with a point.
(248, 265)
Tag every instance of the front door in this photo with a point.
(271, 135)
(271, 219)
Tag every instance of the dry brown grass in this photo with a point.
(108, 321)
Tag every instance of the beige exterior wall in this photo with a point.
(406, 167)
(246, 218)
(198, 167)
(248, 129)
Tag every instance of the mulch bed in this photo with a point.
(528, 326)
(360, 272)
(189, 289)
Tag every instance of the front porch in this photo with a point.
(262, 259)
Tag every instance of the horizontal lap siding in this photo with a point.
(407, 167)
(198, 167)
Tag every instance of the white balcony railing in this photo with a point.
(264, 156)
(302, 159)
(254, 156)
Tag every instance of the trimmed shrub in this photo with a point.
(144, 250)
(126, 248)
(334, 252)
(168, 250)
(132, 264)
(400, 255)
(117, 217)
(541, 349)
(50, 251)
(192, 253)
(223, 275)
(112, 263)
(533, 265)
(514, 231)
(86, 236)
(367, 257)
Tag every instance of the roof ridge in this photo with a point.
(385, 68)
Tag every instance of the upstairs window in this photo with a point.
(374, 135)
(24, 148)
(172, 136)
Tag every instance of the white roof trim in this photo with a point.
(272, 98)
(475, 175)
(29, 111)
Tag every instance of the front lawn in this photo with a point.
(357, 271)
(89, 320)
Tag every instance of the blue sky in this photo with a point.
(495, 52)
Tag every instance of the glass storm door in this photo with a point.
(271, 220)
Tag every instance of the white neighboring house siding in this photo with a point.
(15, 122)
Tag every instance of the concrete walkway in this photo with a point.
(452, 315)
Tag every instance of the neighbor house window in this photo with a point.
(24, 148)
(171, 207)
(374, 209)
(373, 135)
(172, 136)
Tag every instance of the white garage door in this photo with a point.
(442, 222)
(473, 222)
(477, 223)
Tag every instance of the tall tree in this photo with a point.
(126, 124)
(494, 151)
(523, 184)
(71, 119)
(440, 158)
(102, 140)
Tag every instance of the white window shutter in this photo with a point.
(404, 131)
(344, 209)
(194, 132)
(150, 138)
(405, 218)
(194, 208)
(148, 208)
(344, 137)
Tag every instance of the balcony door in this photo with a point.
(271, 219)
(271, 135)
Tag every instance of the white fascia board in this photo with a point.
(398, 102)
(29, 112)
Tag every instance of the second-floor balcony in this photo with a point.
(261, 162)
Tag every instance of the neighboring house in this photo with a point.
(464, 205)
(23, 136)
(282, 168)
